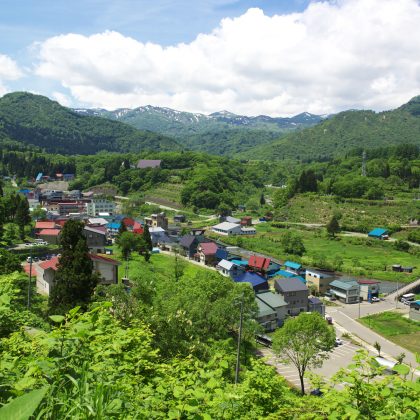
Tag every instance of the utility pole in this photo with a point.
(238, 351)
(359, 300)
(30, 279)
(396, 297)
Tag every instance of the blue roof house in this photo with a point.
(257, 282)
(293, 267)
(378, 233)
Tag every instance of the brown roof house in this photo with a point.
(206, 253)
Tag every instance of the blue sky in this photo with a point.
(250, 57)
(164, 22)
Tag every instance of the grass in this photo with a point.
(396, 328)
(360, 257)
(160, 266)
(311, 208)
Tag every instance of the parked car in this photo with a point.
(375, 299)
(338, 342)
(317, 392)
(35, 259)
(29, 259)
(329, 319)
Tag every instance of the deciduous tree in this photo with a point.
(305, 342)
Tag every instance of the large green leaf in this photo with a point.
(21, 408)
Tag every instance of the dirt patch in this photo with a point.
(55, 185)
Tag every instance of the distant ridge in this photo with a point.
(222, 132)
(38, 121)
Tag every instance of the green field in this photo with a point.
(355, 256)
(312, 208)
(396, 328)
(159, 267)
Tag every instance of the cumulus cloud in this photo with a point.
(9, 70)
(332, 56)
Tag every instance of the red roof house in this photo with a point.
(45, 225)
(259, 263)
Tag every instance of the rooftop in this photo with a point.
(273, 300)
(49, 232)
(345, 285)
(225, 226)
(293, 265)
(261, 263)
(291, 284)
(208, 248)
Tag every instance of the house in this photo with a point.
(97, 221)
(148, 163)
(188, 245)
(44, 225)
(248, 231)
(378, 233)
(293, 267)
(294, 292)
(113, 228)
(138, 228)
(166, 243)
(272, 310)
(368, 289)
(157, 220)
(227, 229)
(246, 221)
(267, 316)
(222, 254)
(227, 268)
(156, 233)
(258, 263)
(284, 273)
(316, 305)
(319, 280)
(52, 236)
(257, 282)
(229, 219)
(107, 269)
(68, 177)
(95, 238)
(414, 312)
(206, 253)
(346, 291)
(129, 223)
(179, 218)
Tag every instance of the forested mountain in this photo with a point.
(221, 133)
(36, 120)
(345, 131)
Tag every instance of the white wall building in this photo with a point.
(227, 228)
(100, 205)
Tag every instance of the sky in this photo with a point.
(272, 57)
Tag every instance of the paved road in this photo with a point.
(369, 337)
(403, 290)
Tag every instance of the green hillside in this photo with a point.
(36, 120)
(346, 131)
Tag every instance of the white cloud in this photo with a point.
(62, 99)
(9, 70)
(333, 56)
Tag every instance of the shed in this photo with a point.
(378, 233)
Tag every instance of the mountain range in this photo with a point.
(222, 133)
(36, 120)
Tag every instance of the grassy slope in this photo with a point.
(310, 208)
(396, 328)
(360, 257)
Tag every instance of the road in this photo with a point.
(345, 317)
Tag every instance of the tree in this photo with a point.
(75, 280)
(147, 238)
(9, 262)
(38, 213)
(128, 242)
(23, 216)
(333, 227)
(2, 218)
(292, 243)
(122, 228)
(305, 342)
